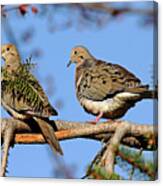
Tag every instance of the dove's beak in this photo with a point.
(69, 63)
(2, 50)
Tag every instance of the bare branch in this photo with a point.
(139, 136)
(115, 11)
(108, 158)
(8, 137)
(116, 132)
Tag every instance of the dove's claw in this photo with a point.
(94, 122)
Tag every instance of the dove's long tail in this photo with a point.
(49, 135)
(145, 92)
(150, 94)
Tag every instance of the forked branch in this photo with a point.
(116, 132)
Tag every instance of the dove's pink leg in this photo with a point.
(97, 119)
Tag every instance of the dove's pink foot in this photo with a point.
(94, 122)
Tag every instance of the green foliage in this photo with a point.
(104, 175)
(28, 66)
(133, 162)
(99, 172)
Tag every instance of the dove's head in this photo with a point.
(79, 55)
(10, 55)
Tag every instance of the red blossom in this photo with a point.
(23, 9)
(34, 9)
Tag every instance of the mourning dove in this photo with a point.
(23, 97)
(103, 89)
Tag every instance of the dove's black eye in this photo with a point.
(8, 48)
(81, 57)
(75, 52)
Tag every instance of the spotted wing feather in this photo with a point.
(26, 96)
(104, 80)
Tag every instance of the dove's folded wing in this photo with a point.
(27, 96)
(104, 80)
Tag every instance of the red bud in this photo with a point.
(34, 9)
(23, 9)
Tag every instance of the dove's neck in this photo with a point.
(86, 63)
(12, 64)
(78, 75)
(80, 68)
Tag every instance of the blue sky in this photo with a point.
(122, 41)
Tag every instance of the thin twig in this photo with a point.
(95, 160)
(8, 137)
(131, 160)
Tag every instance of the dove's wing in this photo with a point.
(104, 80)
(47, 109)
(27, 96)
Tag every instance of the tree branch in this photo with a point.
(115, 11)
(138, 136)
(8, 137)
(108, 158)
(116, 132)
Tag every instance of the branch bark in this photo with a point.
(8, 137)
(139, 136)
(108, 158)
(116, 132)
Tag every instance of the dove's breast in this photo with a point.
(111, 108)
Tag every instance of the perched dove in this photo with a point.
(103, 89)
(23, 97)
